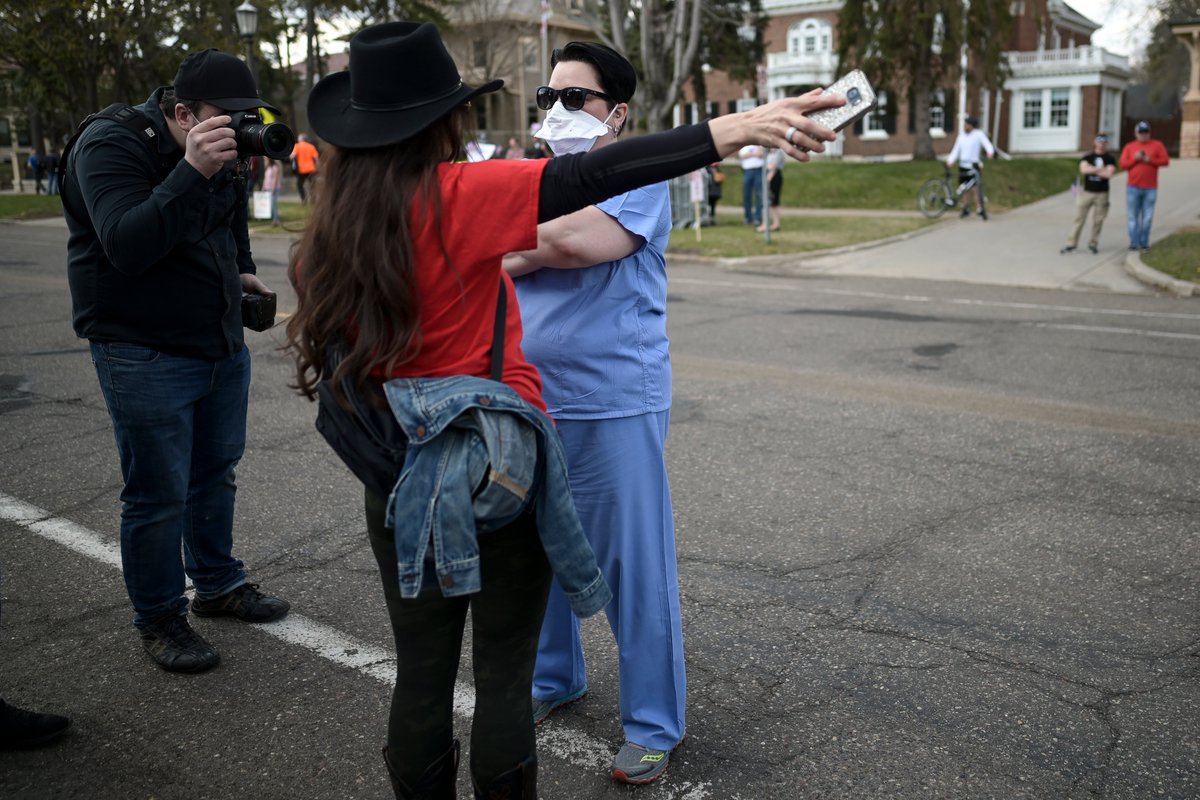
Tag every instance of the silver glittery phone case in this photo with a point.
(860, 98)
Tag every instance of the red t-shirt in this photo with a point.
(489, 208)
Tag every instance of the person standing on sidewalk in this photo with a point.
(158, 258)
(1096, 167)
(305, 162)
(775, 161)
(752, 157)
(272, 177)
(968, 151)
(1142, 159)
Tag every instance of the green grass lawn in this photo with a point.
(291, 220)
(894, 184)
(822, 185)
(1178, 255)
(29, 206)
(731, 239)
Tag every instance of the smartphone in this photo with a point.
(860, 98)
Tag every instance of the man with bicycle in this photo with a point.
(968, 151)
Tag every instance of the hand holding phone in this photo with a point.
(860, 99)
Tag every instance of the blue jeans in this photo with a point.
(1139, 209)
(752, 191)
(180, 426)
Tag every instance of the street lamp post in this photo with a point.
(247, 22)
(288, 74)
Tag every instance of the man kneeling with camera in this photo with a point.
(158, 263)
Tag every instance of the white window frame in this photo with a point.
(815, 32)
(1060, 107)
(1034, 96)
(873, 126)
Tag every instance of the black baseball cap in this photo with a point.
(1142, 126)
(220, 79)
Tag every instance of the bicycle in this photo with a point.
(937, 195)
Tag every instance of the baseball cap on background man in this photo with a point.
(1142, 127)
(219, 79)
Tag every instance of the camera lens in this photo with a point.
(273, 139)
(277, 141)
(853, 96)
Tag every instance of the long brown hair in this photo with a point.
(354, 268)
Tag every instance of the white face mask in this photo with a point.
(572, 131)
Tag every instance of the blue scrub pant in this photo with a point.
(619, 483)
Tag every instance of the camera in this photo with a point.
(258, 311)
(257, 138)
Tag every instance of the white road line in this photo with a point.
(573, 746)
(1106, 329)
(917, 298)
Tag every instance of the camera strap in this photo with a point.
(123, 114)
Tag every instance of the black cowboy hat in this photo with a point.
(401, 80)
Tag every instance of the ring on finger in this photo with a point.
(791, 131)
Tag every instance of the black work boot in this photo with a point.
(438, 783)
(519, 783)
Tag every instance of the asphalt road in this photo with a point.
(936, 540)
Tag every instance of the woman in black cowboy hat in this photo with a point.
(401, 264)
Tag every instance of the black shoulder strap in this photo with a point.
(121, 113)
(498, 334)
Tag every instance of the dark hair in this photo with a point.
(617, 76)
(166, 103)
(354, 269)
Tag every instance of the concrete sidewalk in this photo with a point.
(1020, 247)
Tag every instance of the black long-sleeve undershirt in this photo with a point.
(577, 181)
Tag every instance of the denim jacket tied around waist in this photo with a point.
(479, 456)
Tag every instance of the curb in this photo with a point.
(1148, 275)
(783, 260)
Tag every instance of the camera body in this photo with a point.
(258, 311)
(257, 138)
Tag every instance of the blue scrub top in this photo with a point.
(598, 334)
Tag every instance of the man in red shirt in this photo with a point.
(1142, 158)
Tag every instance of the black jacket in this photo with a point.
(155, 248)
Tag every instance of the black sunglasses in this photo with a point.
(573, 97)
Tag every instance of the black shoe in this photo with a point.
(1068, 249)
(519, 783)
(245, 602)
(983, 215)
(1094, 250)
(21, 729)
(438, 782)
(966, 212)
(173, 644)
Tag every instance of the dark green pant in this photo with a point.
(506, 617)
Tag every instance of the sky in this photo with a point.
(1125, 28)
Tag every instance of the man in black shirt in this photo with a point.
(1096, 168)
(158, 259)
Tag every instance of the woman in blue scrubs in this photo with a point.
(593, 303)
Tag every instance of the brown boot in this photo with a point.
(438, 782)
(519, 783)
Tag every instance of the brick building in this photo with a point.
(1062, 91)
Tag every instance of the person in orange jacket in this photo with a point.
(1142, 158)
